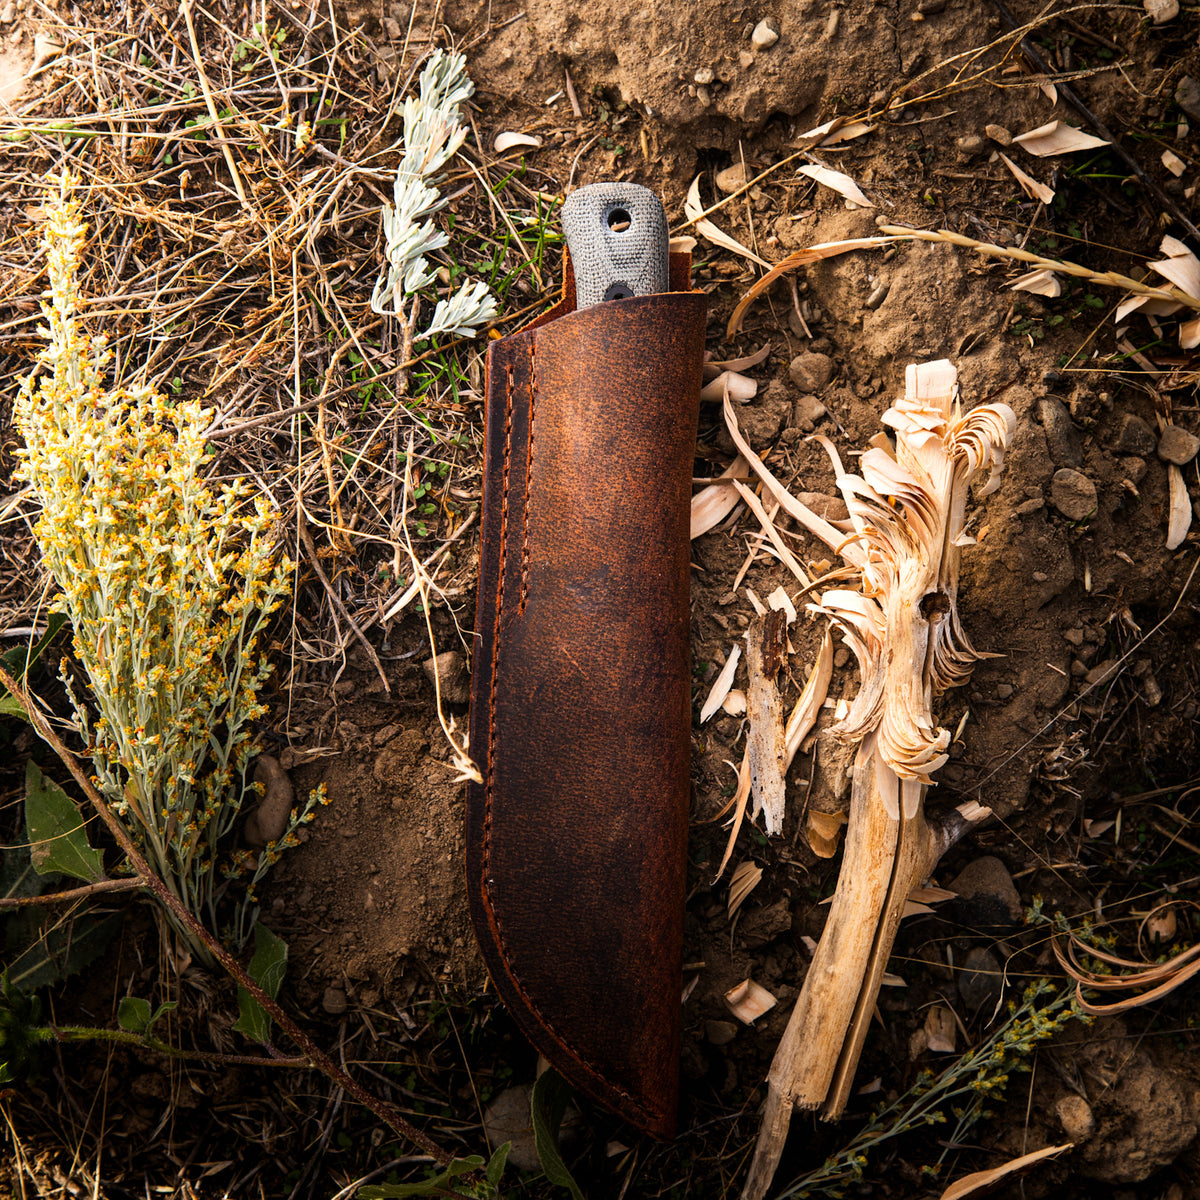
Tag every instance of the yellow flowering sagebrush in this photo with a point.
(167, 581)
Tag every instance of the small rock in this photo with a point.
(1161, 11)
(806, 412)
(1004, 691)
(832, 508)
(971, 145)
(811, 372)
(392, 28)
(509, 1119)
(704, 96)
(1187, 96)
(732, 178)
(745, 59)
(1102, 672)
(878, 295)
(1061, 439)
(1134, 436)
(451, 669)
(841, 656)
(1029, 506)
(987, 897)
(766, 32)
(1134, 468)
(334, 1001)
(998, 134)
(704, 76)
(1078, 668)
(269, 820)
(719, 1033)
(1177, 446)
(1074, 636)
(1075, 1116)
(1073, 494)
(981, 982)
(9, 15)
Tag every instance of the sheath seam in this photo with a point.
(591, 1070)
(528, 478)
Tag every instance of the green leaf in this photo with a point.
(267, 969)
(551, 1094)
(428, 1187)
(10, 706)
(495, 1167)
(44, 947)
(134, 1015)
(57, 840)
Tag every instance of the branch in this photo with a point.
(72, 895)
(384, 1110)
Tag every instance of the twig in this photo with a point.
(385, 1111)
(73, 895)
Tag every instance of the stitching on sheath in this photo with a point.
(528, 479)
(491, 775)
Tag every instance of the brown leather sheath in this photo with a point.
(580, 706)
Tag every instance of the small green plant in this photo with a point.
(962, 1092)
(168, 584)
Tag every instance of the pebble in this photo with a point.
(1134, 436)
(334, 1001)
(1161, 11)
(509, 1119)
(878, 296)
(987, 897)
(1073, 494)
(1061, 439)
(732, 178)
(1074, 636)
(704, 76)
(1135, 469)
(971, 145)
(1187, 96)
(1004, 691)
(811, 372)
(1075, 1116)
(719, 1033)
(841, 656)
(9, 15)
(766, 33)
(981, 982)
(1101, 673)
(1029, 506)
(1177, 446)
(745, 59)
(998, 134)
(451, 668)
(806, 412)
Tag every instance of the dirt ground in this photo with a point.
(1079, 732)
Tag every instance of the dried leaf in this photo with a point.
(748, 1001)
(1150, 306)
(831, 133)
(808, 707)
(713, 369)
(509, 141)
(693, 208)
(683, 245)
(712, 504)
(741, 883)
(824, 831)
(941, 1029)
(1095, 829)
(931, 895)
(1057, 138)
(1029, 185)
(1189, 334)
(1173, 163)
(729, 383)
(735, 703)
(972, 1185)
(801, 258)
(840, 183)
(1040, 283)
(1180, 266)
(722, 684)
(1180, 520)
(738, 802)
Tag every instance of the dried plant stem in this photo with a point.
(74, 895)
(1104, 278)
(385, 1111)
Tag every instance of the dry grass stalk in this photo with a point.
(909, 524)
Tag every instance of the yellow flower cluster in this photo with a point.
(167, 582)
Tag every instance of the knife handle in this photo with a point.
(619, 243)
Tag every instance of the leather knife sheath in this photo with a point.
(580, 708)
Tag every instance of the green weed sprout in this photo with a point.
(167, 583)
(433, 135)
